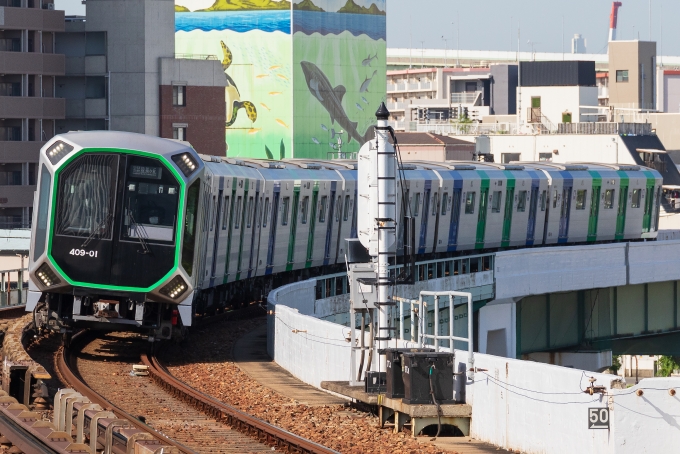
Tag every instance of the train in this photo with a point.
(133, 232)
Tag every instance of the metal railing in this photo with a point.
(465, 98)
(13, 292)
(635, 129)
(195, 57)
(341, 155)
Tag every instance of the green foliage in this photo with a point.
(666, 365)
(282, 150)
(269, 152)
(616, 363)
(181, 9)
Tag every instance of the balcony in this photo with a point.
(17, 152)
(28, 107)
(32, 19)
(410, 87)
(32, 63)
(465, 97)
(82, 108)
(398, 106)
(16, 196)
(88, 65)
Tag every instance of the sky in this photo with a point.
(493, 24)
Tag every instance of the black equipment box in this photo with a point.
(395, 382)
(417, 370)
(375, 382)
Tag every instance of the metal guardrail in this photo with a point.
(196, 57)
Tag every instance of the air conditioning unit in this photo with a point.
(50, 6)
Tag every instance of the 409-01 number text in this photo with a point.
(83, 253)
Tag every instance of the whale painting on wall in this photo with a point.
(301, 77)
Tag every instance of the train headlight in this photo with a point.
(175, 288)
(57, 151)
(186, 163)
(47, 277)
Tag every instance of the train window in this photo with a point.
(86, 194)
(259, 213)
(345, 216)
(225, 213)
(447, 268)
(215, 214)
(581, 199)
(251, 209)
(555, 199)
(339, 289)
(435, 202)
(486, 263)
(521, 201)
(416, 204)
(322, 209)
(421, 272)
(237, 217)
(43, 207)
(329, 288)
(305, 209)
(464, 266)
(496, 202)
(266, 212)
(190, 227)
(319, 288)
(470, 203)
(430, 271)
(635, 200)
(440, 269)
(445, 202)
(338, 211)
(285, 207)
(474, 265)
(544, 198)
(456, 267)
(609, 199)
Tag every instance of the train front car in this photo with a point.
(114, 233)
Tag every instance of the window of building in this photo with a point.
(470, 203)
(496, 202)
(284, 210)
(179, 95)
(507, 158)
(305, 209)
(622, 75)
(545, 157)
(581, 199)
(635, 200)
(609, 199)
(179, 131)
(521, 201)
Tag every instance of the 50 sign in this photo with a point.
(598, 418)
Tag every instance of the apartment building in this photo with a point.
(29, 65)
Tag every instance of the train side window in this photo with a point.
(249, 215)
(284, 210)
(237, 220)
(609, 199)
(259, 213)
(445, 202)
(265, 218)
(581, 199)
(339, 285)
(435, 202)
(474, 265)
(635, 199)
(225, 213)
(416, 204)
(421, 272)
(215, 214)
(346, 209)
(43, 208)
(305, 209)
(470, 203)
(555, 199)
(189, 240)
(456, 267)
(486, 263)
(521, 201)
(338, 210)
(322, 208)
(496, 202)
(447, 268)
(319, 289)
(544, 198)
(464, 266)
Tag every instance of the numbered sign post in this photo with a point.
(598, 418)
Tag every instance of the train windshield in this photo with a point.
(87, 194)
(151, 196)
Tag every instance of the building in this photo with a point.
(422, 146)
(122, 74)
(578, 44)
(300, 76)
(29, 65)
(450, 94)
(632, 74)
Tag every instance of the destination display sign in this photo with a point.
(153, 173)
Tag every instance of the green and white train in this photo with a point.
(141, 233)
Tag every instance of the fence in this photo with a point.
(13, 289)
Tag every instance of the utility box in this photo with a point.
(419, 369)
(394, 386)
(363, 293)
(375, 382)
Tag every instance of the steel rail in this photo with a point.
(66, 366)
(22, 438)
(263, 431)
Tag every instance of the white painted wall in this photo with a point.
(498, 326)
(556, 100)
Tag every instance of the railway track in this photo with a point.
(176, 414)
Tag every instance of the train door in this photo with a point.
(455, 215)
(272, 228)
(312, 225)
(565, 212)
(435, 212)
(533, 208)
(621, 213)
(329, 225)
(293, 227)
(481, 221)
(216, 228)
(594, 209)
(507, 218)
(649, 207)
(424, 217)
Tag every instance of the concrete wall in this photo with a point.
(636, 57)
(557, 100)
(669, 89)
(667, 126)
(503, 92)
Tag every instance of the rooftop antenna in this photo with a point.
(422, 54)
(650, 20)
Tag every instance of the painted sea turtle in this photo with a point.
(234, 102)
